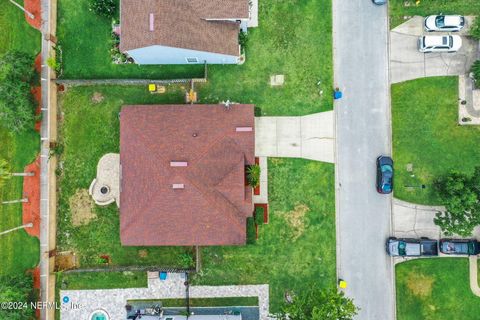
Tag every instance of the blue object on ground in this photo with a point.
(337, 94)
(163, 276)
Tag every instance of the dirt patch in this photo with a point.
(97, 97)
(81, 207)
(33, 6)
(143, 253)
(37, 92)
(297, 220)
(31, 190)
(66, 260)
(420, 284)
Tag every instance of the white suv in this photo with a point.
(444, 23)
(439, 43)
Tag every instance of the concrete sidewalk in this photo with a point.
(474, 275)
(309, 137)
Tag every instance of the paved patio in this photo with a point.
(105, 188)
(407, 63)
(309, 137)
(113, 301)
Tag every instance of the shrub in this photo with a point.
(476, 71)
(253, 175)
(259, 215)
(17, 107)
(475, 29)
(243, 39)
(251, 231)
(105, 8)
(186, 260)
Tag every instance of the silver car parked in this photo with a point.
(428, 44)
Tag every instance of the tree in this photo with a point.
(460, 194)
(317, 304)
(17, 288)
(475, 29)
(17, 108)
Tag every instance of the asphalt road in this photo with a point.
(363, 133)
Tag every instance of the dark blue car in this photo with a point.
(384, 174)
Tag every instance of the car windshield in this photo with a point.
(387, 174)
(440, 21)
(450, 41)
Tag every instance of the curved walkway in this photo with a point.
(474, 276)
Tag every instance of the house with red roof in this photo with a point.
(182, 174)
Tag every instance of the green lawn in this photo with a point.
(428, 7)
(101, 280)
(15, 32)
(435, 289)
(297, 247)
(294, 39)
(426, 134)
(18, 251)
(88, 131)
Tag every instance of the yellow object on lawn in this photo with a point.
(152, 87)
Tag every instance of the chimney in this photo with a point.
(151, 21)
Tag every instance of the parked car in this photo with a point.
(379, 2)
(406, 247)
(384, 174)
(459, 246)
(428, 44)
(444, 23)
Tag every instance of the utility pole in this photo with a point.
(15, 201)
(28, 225)
(29, 14)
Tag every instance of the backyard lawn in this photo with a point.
(18, 251)
(90, 129)
(427, 135)
(435, 289)
(293, 39)
(297, 247)
(398, 8)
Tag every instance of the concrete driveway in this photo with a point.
(412, 220)
(309, 137)
(407, 63)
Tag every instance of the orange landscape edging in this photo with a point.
(31, 190)
(33, 6)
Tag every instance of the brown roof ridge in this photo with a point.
(219, 138)
(232, 213)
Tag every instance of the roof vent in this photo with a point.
(178, 186)
(151, 21)
(244, 129)
(178, 163)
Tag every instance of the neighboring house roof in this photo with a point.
(182, 24)
(212, 206)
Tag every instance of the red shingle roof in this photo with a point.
(212, 206)
(182, 24)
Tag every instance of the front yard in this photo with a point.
(426, 134)
(435, 289)
(18, 251)
(293, 39)
(401, 8)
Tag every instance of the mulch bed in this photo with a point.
(33, 6)
(31, 190)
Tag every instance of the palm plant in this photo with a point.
(253, 175)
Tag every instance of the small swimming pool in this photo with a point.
(99, 315)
